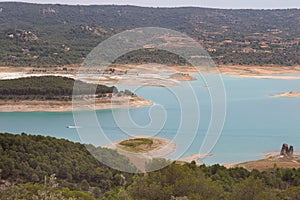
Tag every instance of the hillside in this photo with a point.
(30, 162)
(27, 158)
(55, 35)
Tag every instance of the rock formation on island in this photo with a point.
(286, 151)
(291, 150)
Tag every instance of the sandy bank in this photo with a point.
(269, 161)
(66, 106)
(194, 157)
(258, 70)
(148, 74)
(261, 72)
(288, 94)
(143, 74)
(270, 77)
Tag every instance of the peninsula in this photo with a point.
(54, 94)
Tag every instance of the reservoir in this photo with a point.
(256, 123)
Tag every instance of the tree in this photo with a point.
(291, 193)
(249, 189)
(84, 185)
(97, 192)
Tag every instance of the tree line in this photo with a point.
(48, 88)
(31, 161)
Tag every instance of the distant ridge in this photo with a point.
(53, 35)
(144, 6)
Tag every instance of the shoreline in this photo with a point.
(144, 74)
(67, 106)
(258, 70)
(163, 148)
(290, 94)
(268, 161)
(261, 72)
(194, 157)
(147, 74)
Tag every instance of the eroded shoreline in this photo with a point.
(161, 149)
(151, 71)
(67, 106)
(288, 94)
(268, 161)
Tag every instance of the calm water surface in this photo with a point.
(255, 122)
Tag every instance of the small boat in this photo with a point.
(73, 126)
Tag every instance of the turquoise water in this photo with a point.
(255, 122)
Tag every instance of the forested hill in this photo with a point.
(25, 160)
(28, 158)
(51, 35)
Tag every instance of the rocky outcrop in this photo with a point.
(49, 10)
(23, 35)
(94, 30)
(286, 150)
(291, 151)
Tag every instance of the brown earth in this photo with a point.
(270, 161)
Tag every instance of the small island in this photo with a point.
(139, 144)
(290, 94)
(142, 150)
(146, 145)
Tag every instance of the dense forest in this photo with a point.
(55, 35)
(48, 88)
(38, 167)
